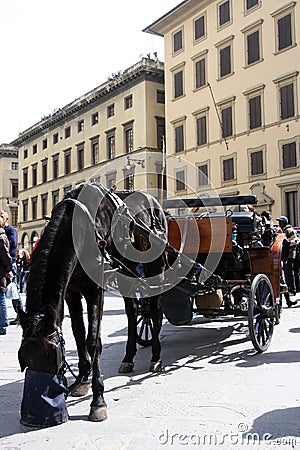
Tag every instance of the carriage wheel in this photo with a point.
(261, 312)
(145, 323)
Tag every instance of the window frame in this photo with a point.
(45, 170)
(201, 36)
(80, 157)
(230, 181)
(259, 175)
(95, 119)
(222, 106)
(178, 32)
(230, 18)
(110, 149)
(282, 82)
(201, 186)
(281, 144)
(279, 14)
(249, 31)
(221, 46)
(249, 10)
(197, 75)
(178, 181)
(67, 161)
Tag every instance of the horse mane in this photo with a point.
(40, 256)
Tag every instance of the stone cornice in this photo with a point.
(145, 70)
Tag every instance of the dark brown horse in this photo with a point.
(92, 230)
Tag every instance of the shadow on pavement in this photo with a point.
(278, 424)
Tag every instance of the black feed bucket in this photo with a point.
(44, 400)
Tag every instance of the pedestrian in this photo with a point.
(12, 236)
(24, 270)
(5, 272)
(289, 249)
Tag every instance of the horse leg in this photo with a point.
(98, 411)
(81, 385)
(127, 364)
(156, 315)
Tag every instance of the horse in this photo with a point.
(91, 232)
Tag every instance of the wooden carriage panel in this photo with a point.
(268, 261)
(201, 235)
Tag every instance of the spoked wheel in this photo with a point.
(261, 312)
(144, 323)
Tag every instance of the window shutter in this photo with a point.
(255, 112)
(201, 131)
(256, 163)
(284, 32)
(225, 61)
(287, 101)
(178, 82)
(200, 73)
(199, 28)
(253, 47)
(228, 169)
(289, 156)
(179, 146)
(227, 121)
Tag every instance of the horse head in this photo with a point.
(41, 348)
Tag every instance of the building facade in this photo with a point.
(9, 181)
(232, 100)
(113, 134)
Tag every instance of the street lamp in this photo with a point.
(140, 162)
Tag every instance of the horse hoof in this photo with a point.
(79, 389)
(126, 367)
(156, 366)
(98, 413)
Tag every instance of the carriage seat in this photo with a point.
(244, 221)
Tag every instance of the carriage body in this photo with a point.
(226, 240)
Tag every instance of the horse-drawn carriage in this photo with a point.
(211, 263)
(223, 238)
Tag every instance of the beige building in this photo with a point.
(112, 134)
(9, 181)
(232, 100)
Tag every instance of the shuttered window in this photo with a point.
(203, 175)
(287, 101)
(178, 84)
(225, 61)
(226, 114)
(255, 118)
(228, 169)
(179, 139)
(224, 13)
(257, 163)
(199, 28)
(201, 131)
(284, 32)
(289, 155)
(177, 41)
(251, 3)
(180, 180)
(200, 73)
(253, 52)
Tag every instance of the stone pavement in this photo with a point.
(215, 392)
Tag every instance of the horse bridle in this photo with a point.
(55, 339)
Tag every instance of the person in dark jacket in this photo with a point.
(12, 235)
(289, 248)
(5, 272)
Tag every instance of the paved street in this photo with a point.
(215, 391)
